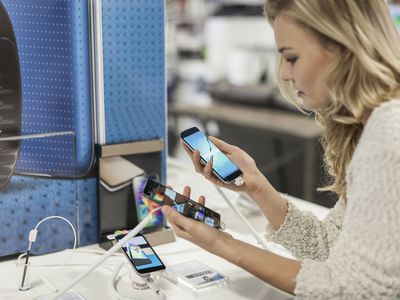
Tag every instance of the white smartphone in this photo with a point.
(223, 167)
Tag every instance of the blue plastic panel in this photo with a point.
(53, 45)
(52, 37)
(134, 76)
(32, 199)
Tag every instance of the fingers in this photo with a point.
(208, 174)
(177, 219)
(221, 145)
(197, 161)
(207, 171)
(186, 148)
(186, 191)
(195, 156)
(202, 200)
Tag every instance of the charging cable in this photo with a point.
(32, 238)
(262, 243)
(106, 255)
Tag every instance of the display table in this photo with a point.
(96, 286)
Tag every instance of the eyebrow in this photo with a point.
(284, 49)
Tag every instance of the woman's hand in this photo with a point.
(196, 232)
(254, 180)
(279, 271)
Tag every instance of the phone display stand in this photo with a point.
(134, 287)
(37, 174)
(197, 278)
(117, 207)
(130, 285)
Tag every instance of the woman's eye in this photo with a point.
(291, 60)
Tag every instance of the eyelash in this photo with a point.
(291, 60)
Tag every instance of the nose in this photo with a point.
(286, 72)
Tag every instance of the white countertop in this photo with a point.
(95, 286)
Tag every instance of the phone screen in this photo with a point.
(222, 165)
(144, 206)
(165, 196)
(141, 255)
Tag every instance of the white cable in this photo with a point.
(251, 228)
(106, 255)
(61, 218)
(32, 238)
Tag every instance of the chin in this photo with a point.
(310, 105)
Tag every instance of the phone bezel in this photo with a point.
(214, 213)
(225, 180)
(142, 271)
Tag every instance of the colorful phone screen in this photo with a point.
(144, 206)
(163, 195)
(141, 255)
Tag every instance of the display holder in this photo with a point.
(38, 174)
(116, 201)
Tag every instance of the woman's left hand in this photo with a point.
(203, 235)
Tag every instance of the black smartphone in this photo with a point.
(223, 167)
(163, 195)
(141, 255)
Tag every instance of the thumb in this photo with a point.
(221, 145)
(175, 217)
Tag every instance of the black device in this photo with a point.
(10, 98)
(223, 167)
(163, 195)
(141, 255)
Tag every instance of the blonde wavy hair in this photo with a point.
(356, 84)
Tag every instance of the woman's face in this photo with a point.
(305, 61)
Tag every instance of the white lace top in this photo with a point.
(354, 253)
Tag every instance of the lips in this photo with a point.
(299, 93)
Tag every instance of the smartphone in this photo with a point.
(163, 195)
(141, 255)
(223, 167)
(144, 206)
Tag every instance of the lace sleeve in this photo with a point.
(306, 236)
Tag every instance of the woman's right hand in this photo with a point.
(254, 180)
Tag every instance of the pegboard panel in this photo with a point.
(29, 199)
(53, 45)
(134, 76)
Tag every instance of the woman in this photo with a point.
(340, 59)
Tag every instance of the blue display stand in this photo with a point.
(54, 50)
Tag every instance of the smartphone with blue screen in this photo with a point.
(141, 255)
(223, 167)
